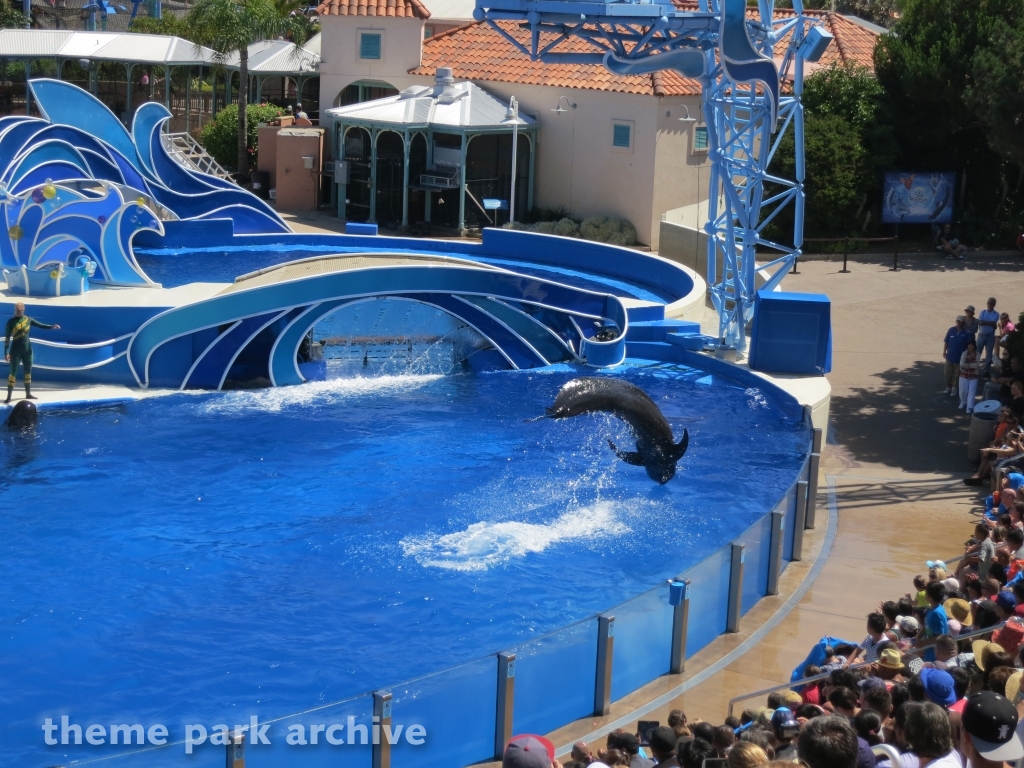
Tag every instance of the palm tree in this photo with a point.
(228, 26)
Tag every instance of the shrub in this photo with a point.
(220, 138)
(602, 229)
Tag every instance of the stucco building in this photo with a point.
(606, 144)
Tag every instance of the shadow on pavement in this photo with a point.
(905, 422)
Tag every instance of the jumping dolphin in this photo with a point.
(22, 415)
(656, 449)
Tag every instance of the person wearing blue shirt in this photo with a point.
(987, 320)
(953, 347)
(935, 620)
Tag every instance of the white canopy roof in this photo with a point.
(280, 57)
(101, 46)
(447, 104)
(450, 10)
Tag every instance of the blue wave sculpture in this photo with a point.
(84, 229)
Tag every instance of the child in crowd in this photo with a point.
(919, 597)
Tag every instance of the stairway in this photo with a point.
(191, 154)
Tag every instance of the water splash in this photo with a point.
(276, 399)
(486, 544)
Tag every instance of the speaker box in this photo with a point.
(791, 333)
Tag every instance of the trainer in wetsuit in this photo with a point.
(18, 348)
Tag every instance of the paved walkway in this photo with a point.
(895, 455)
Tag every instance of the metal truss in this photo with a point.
(750, 97)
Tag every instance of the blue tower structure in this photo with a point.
(733, 51)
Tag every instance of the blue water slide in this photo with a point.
(209, 370)
(448, 287)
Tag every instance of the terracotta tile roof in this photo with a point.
(400, 8)
(477, 52)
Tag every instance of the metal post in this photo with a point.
(28, 91)
(462, 184)
(373, 175)
(732, 622)
(407, 147)
(603, 679)
(846, 250)
(775, 554)
(514, 106)
(127, 91)
(680, 623)
(506, 699)
(188, 99)
(895, 250)
(529, 181)
(812, 478)
(167, 87)
(800, 521)
(381, 747)
(236, 750)
(794, 272)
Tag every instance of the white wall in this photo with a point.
(576, 165)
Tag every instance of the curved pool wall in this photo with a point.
(555, 678)
(111, 338)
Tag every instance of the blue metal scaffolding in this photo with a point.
(732, 50)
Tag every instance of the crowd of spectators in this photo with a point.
(977, 361)
(937, 677)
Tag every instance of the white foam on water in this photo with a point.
(485, 544)
(315, 392)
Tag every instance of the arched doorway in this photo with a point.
(390, 178)
(357, 148)
(364, 90)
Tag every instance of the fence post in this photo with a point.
(680, 623)
(800, 520)
(846, 251)
(732, 622)
(506, 699)
(603, 680)
(236, 750)
(775, 558)
(895, 250)
(812, 479)
(381, 749)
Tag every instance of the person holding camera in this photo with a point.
(784, 731)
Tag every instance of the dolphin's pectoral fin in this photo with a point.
(681, 446)
(630, 457)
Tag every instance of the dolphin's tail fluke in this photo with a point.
(682, 445)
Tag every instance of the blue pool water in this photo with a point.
(187, 558)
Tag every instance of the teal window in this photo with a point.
(622, 135)
(700, 138)
(369, 45)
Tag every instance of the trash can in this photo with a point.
(983, 429)
(988, 406)
(261, 184)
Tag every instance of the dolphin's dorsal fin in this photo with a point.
(682, 445)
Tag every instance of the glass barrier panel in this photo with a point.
(643, 641)
(455, 707)
(555, 678)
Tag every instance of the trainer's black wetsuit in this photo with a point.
(19, 347)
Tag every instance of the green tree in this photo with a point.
(220, 137)
(11, 17)
(948, 67)
(229, 26)
(996, 93)
(176, 26)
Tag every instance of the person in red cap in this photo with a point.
(529, 751)
(988, 734)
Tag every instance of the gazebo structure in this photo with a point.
(273, 59)
(84, 52)
(433, 155)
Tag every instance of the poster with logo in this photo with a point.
(918, 198)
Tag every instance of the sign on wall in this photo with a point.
(918, 198)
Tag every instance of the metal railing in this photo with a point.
(191, 154)
(887, 750)
(913, 652)
(846, 247)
